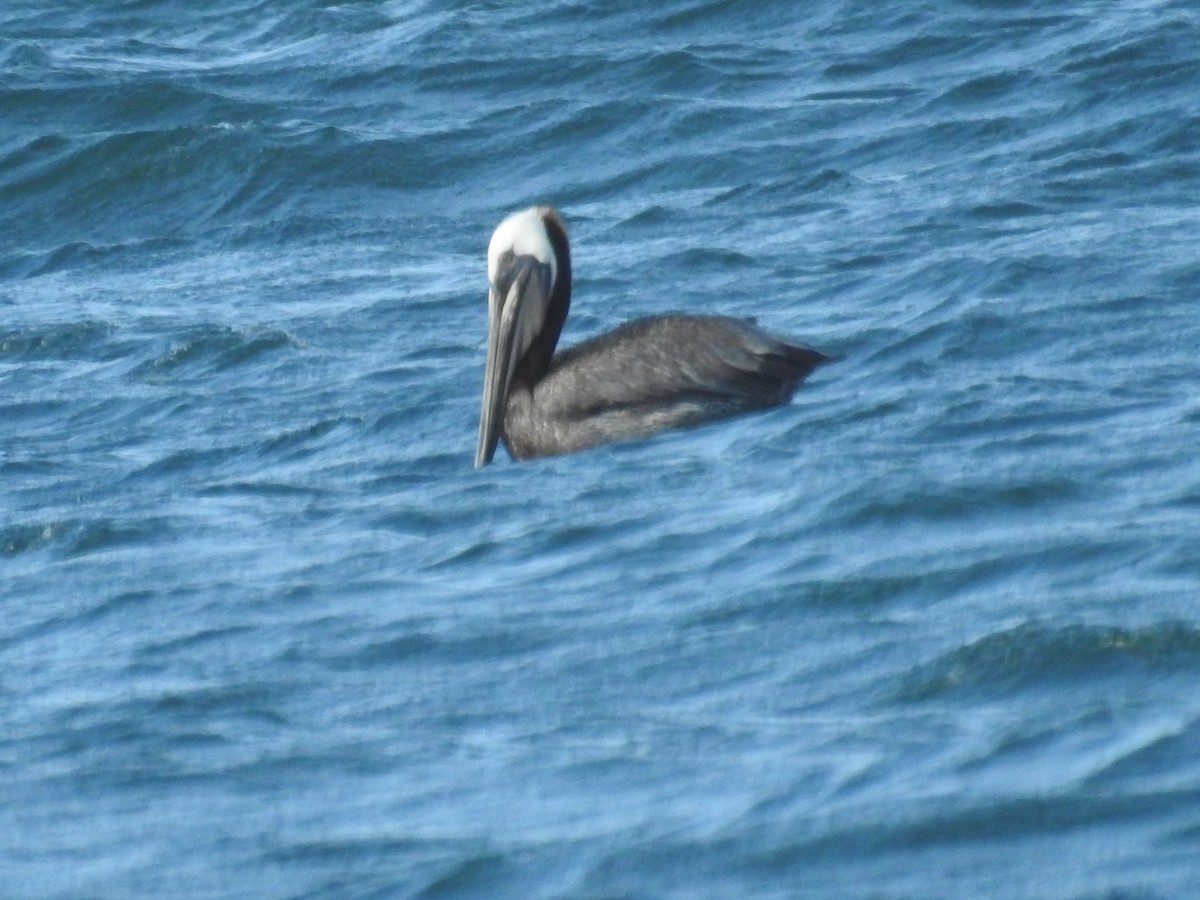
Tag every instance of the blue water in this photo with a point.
(932, 630)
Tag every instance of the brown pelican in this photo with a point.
(660, 372)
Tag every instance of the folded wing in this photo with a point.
(674, 370)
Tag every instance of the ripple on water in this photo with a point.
(929, 630)
(1034, 656)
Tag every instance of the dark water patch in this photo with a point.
(250, 700)
(269, 184)
(1149, 182)
(652, 217)
(127, 105)
(1148, 57)
(832, 180)
(31, 153)
(133, 254)
(644, 179)
(1124, 135)
(423, 648)
(679, 70)
(862, 261)
(421, 400)
(1180, 136)
(369, 81)
(1188, 836)
(1034, 656)
(163, 180)
(424, 360)
(709, 20)
(858, 95)
(80, 537)
(447, 559)
(1165, 756)
(970, 410)
(921, 50)
(490, 873)
(212, 348)
(1176, 560)
(1036, 273)
(989, 88)
(332, 857)
(164, 183)
(337, 850)
(960, 329)
(303, 442)
(710, 259)
(464, 74)
(1013, 209)
(441, 515)
(87, 339)
(987, 822)
(118, 604)
(190, 461)
(259, 26)
(291, 228)
(177, 736)
(248, 348)
(796, 593)
(286, 767)
(37, 464)
(792, 601)
(969, 134)
(1080, 173)
(262, 488)
(20, 57)
(1090, 160)
(502, 131)
(869, 590)
(425, 861)
(403, 476)
(572, 535)
(16, 539)
(68, 256)
(195, 640)
(93, 537)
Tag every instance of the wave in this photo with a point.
(1035, 656)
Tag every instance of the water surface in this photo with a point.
(930, 630)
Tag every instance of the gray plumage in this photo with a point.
(650, 374)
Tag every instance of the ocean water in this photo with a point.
(932, 630)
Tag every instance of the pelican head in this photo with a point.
(529, 291)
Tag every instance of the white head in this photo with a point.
(526, 309)
(524, 234)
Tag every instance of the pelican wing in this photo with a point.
(677, 368)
